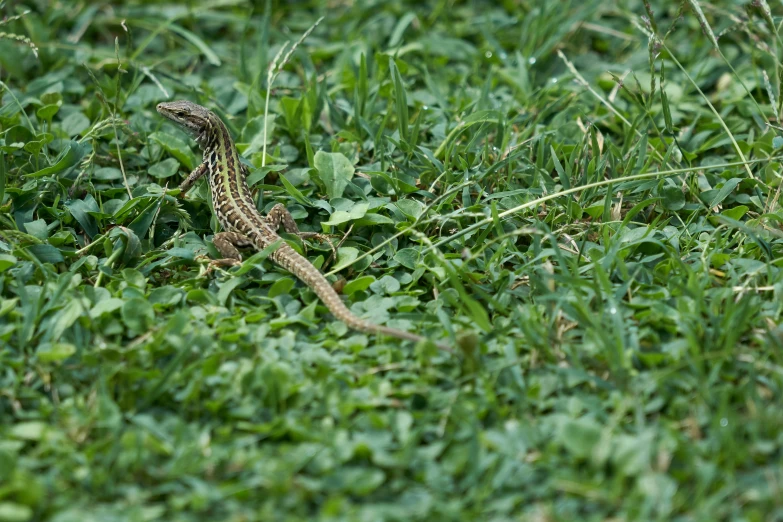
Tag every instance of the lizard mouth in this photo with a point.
(163, 110)
(182, 121)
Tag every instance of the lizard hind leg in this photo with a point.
(228, 244)
(279, 215)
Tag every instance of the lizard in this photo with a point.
(243, 224)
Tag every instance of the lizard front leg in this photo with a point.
(194, 176)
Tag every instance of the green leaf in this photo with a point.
(80, 209)
(667, 115)
(176, 147)
(411, 208)
(227, 288)
(107, 174)
(338, 217)
(727, 188)
(2, 176)
(399, 28)
(736, 212)
(400, 100)
(165, 296)
(200, 44)
(74, 124)
(141, 224)
(282, 286)
(580, 436)
(341, 216)
(293, 191)
(16, 137)
(408, 257)
(358, 285)
(46, 253)
(35, 147)
(6, 305)
(386, 285)
(256, 259)
(374, 219)
(106, 306)
(361, 89)
(37, 229)
(68, 158)
(182, 253)
(138, 315)
(362, 481)
(289, 106)
(6, 262)
(65, 318)
(127, 240)
(335, 170)
(595, 211)
(478, 313)
(253, 134)
(54, 352)
(134, 278)
(309, 152)
(345, 257)
(164, 169)
(673, 198)
(12, 512)
(47, 112)
(29, 430)
(52, 98)
(561, 174)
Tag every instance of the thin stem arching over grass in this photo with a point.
(581, 81)
(272, 72)
(543, 199)
(743, 161)
(707, 29)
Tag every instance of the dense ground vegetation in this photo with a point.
(582, 197)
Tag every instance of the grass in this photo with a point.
(583, 197)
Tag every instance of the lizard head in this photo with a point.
(195, 119)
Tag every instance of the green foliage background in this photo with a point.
(555, 188)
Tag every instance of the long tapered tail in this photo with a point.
(290, 259)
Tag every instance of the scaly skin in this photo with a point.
(237, 213)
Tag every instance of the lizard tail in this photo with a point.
(289, 259)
